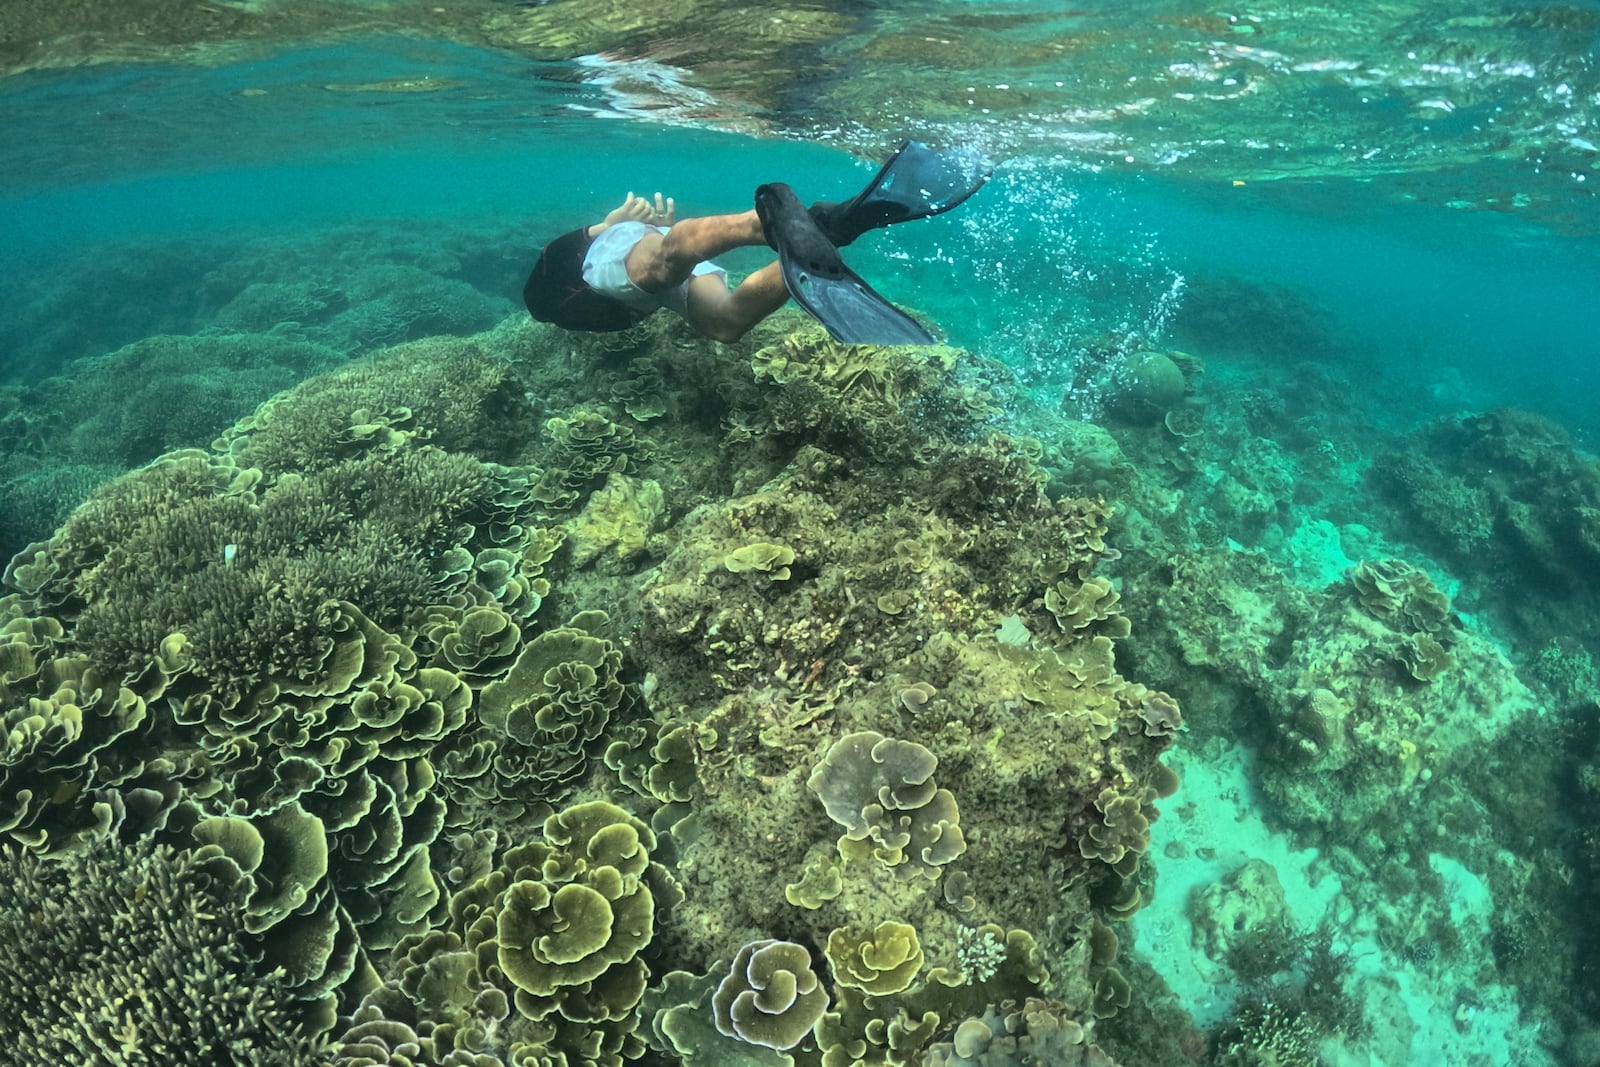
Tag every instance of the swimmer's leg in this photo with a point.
(660, 261)
(726, 315)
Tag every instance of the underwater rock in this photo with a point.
(614, 525)
(1151, 384)
(1246, 902)
(1502, 493)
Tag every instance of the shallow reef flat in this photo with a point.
(520, 697)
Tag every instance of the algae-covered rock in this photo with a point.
(1246, 902)
(614, 525)
(1150, 385)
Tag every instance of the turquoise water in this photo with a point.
(1364, 242)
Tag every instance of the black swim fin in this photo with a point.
(915, 183)
(820, 282)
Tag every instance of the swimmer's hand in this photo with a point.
(661, 212)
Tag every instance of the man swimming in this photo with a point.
(640, 258)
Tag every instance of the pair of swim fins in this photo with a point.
(915, 183)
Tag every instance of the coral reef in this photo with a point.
(122, 351)
(1508, 500)
(353, 656)
(1354, 689)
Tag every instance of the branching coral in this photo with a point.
(136, 955)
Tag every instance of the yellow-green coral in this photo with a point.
(881, 962)
(479, 643)
(562, 920)
(1424, 657)
(587, 447)
(882, 791)
(873, 398)
(655, 763)
(773, 560)
(770, 995)
(1399, 594)
(1123, 833)
(820, 881)
(55, 733)
(178, 548)
(1089, 604)
(550, 712)
(444, 390)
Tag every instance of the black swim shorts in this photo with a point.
(556, 292)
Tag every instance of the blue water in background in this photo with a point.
(1489, 308)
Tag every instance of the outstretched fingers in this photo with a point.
(661, 211)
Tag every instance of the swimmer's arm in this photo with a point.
(663, 212)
